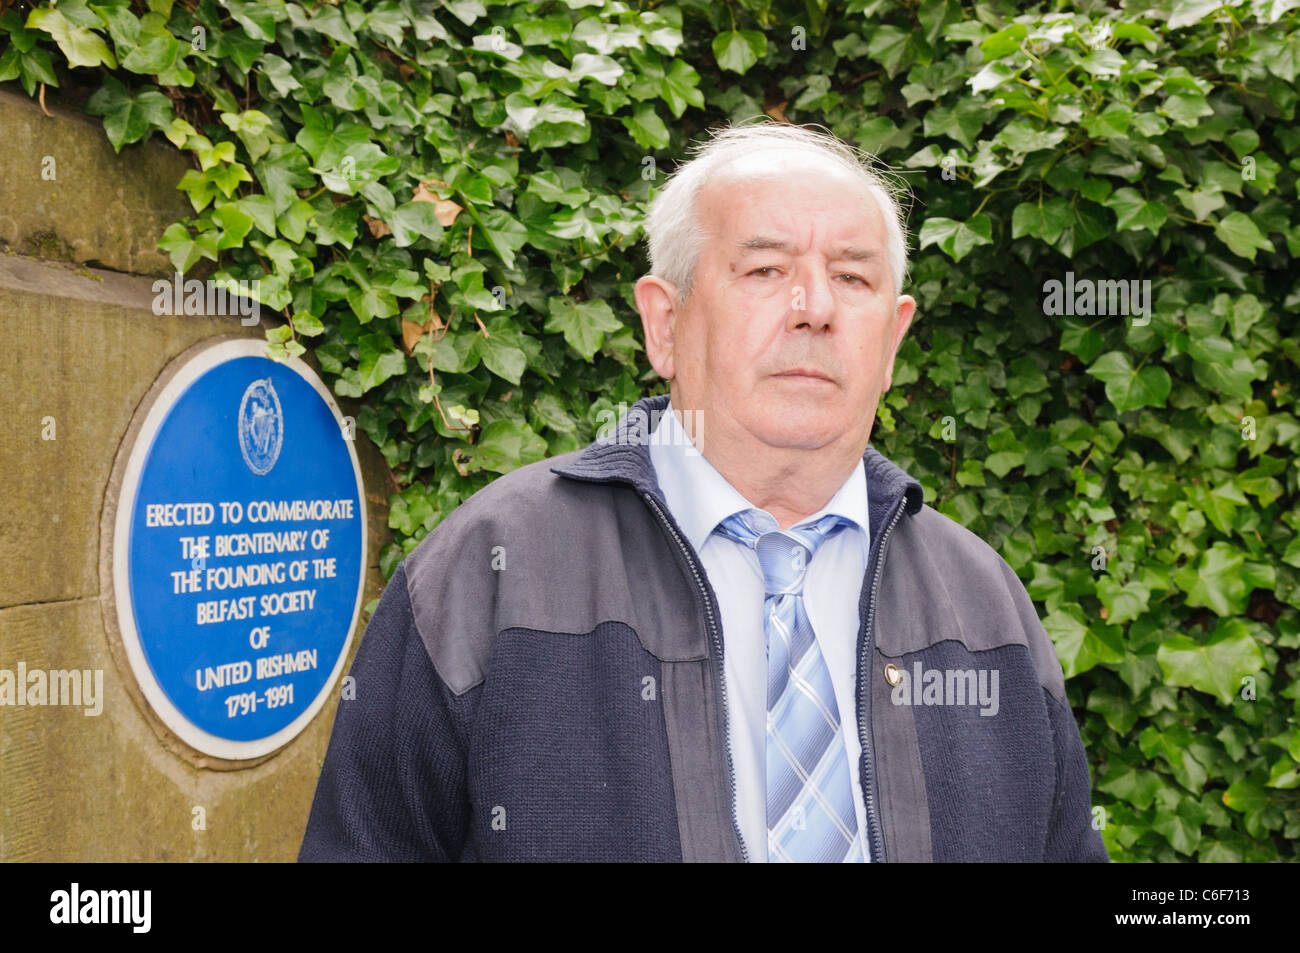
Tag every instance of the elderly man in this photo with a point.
(730, 629)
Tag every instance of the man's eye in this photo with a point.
(764, 268)
(854, 277)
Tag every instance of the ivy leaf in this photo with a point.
(502, 352)
(738, 50)
(1005, 41)
(228, 177)
(369, 302)
(293, 221)
(261, 210)
(957, 239)
(1025, 377)
(961, 122)
(551, 412)
(1079, 336)
(1215, 666)
(1024, 137)
(1201, 202)
(1133, 211)
(1103, 62)
(547, 31)
(242, 51)
(1008, 453)
(991, 76)
(127, 117)
(1285, 774)
(414, 220)
(1238, 232)
(606, 70)
(1188, 12)
(410, 510)
(647, 129)
(201, 188)
(280, 73)
(1181, 830)
(253, 128)
(1222, 580)
(1079, 646)
(560, 186)
(1118, 710)
(1186, 109)
(584, 324)
(1245, 795)
(81, 46)
(285, 260)
(681, 88)
(379, 359)
(1046, 221)
(327, 143)
(1221, 367)
(505, 233)
(336, 224)
(162, 57)
(1219, 503)
(887, 46)
(258, 20)
(505, 445)
(1123, 603)
(1129, 388)
(1089, 227)
(1136, 787)
(281, 173)
(329, 21)
(235, 224)
(183, 249)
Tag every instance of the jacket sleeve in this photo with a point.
(393, 786)
(1071, 837)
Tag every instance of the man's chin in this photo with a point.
(798, 429)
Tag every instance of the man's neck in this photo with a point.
(790, 483)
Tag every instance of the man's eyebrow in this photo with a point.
(763, 243)
(855, 253)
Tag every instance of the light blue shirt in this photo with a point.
(699, 498)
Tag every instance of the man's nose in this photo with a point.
(812, 303)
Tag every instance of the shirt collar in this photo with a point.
(622, 455)
(700, 497)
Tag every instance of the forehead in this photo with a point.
(798, 194)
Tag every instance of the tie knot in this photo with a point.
(784, 555)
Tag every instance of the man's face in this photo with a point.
(790, 333)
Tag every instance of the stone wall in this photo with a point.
(83, 348)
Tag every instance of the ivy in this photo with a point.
(444, 203)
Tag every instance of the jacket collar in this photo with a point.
(623, 456)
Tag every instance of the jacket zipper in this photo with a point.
(720, 681)
(864, 696)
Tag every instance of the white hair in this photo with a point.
(674, 235)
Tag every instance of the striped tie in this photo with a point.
(810, 811)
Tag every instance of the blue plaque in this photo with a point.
(239, 549)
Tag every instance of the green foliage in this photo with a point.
(445, 203)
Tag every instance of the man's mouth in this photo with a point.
(806, 373)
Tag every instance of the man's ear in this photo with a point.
(656, 299)
(903, 313)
